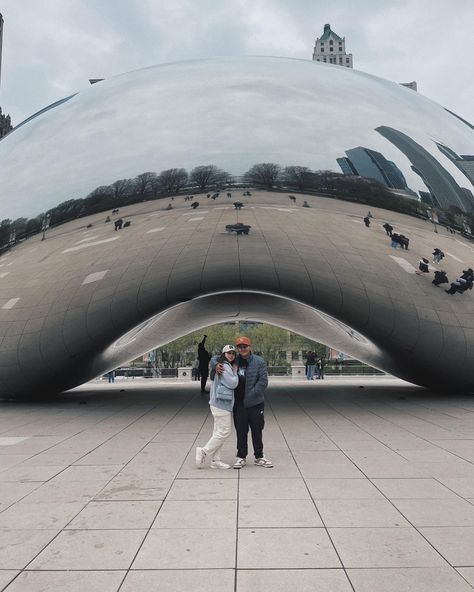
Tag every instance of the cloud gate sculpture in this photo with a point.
(84, 288)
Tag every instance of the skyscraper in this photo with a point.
(5, 121)
(331, 48)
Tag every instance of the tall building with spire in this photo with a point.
(5, 121)
(331, 49)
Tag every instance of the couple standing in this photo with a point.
(237, 389)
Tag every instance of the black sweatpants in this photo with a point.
(253, 418)
(204, 374)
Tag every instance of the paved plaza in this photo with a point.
(372, 489)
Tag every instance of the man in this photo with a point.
(249, 403)
(203, 356)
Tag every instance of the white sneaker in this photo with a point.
(200, 457)
(218, 464)
(264, 462)
(239, 463)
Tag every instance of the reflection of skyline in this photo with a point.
(464, 162)
(442, 185)
(365, 162)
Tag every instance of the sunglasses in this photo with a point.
(243, 346)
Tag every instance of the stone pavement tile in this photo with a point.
(272, 489)
(342, 489)
(25, 515)
(383, 547)
(455, 543)
(72, 581)
(326, 464)
(445, 470)
(321, 443)
(463, 486)
(278, 514)
(441, 512)
(175, 437)
(18, 547)
(20, 473)
(416, 579)
(197, 514)
(284, 468)
(12, 492)
(435, 455)
(90, 550)
(33, 445)
(180, 548)
(49, 458)
(88, 473)
(203, 489)
(358, 513)
(135, 489)
(285, 548)
(413, 489)
(64, 491)
(384, 465)
(6, 576)
(302, 580)
(467, 573)
(190, 580)
(10, 460)
(369, 444)
(117, 515)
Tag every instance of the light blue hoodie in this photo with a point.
(228, 379)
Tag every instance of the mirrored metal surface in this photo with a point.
(126, 143)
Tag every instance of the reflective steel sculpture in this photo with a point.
(103, 287)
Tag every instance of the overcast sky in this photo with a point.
(52, 47)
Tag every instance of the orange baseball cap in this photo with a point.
(242, 341)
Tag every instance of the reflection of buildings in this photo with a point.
(1, 44)
(442, 185)
(464, 162)
(365, 162)
(331, 48)
(411, 85)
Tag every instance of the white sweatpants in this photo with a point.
(222, 426)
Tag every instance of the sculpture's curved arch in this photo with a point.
(69, 303)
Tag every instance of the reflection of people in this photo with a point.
(195, 371)
(221, 402)
(249, 403)
(440, 277)
(422, 266)
(118, 224)
(203, 356)
(367, 221)
(111, 376)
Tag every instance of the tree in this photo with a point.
(142, 183)
(172, 180)
(297, 176)
(207, 176)
(265, 173)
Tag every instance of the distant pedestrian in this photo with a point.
(404, 241)
(367, 221)
(195, 205)
(395, 242)
(111, 376)
(320, 365)
(204, 357)
(118, 224)
(388, 228)
(195, 371)
(310, 365)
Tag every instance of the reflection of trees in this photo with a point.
(265, 174)
(150, 185)
(208, 176)
(172, 181)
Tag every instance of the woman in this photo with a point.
(221, 401)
